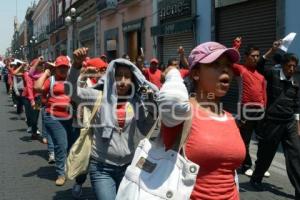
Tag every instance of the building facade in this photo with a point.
(125, 28)
(176, 26)
(40, 39)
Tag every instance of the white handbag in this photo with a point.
(158, 174)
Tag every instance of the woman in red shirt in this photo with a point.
(58, 116)
(214, 141)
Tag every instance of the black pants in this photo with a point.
(32, 115)
(247, 127)
(274, 133)
(18, 100)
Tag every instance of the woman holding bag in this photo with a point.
(125, 117)
(214, 141)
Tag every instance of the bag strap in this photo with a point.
(151, 131)
(95, 108)
(181, 139)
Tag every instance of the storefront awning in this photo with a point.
(173, 28)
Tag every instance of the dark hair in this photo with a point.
(250, 48)
(171, 60)
(277, 57)
(289, 57)
(125, 55)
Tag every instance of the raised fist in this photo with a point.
(79, 56)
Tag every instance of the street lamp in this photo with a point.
(22, 48)
(73, 19)
(33, 41)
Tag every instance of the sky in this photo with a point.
(8, 10)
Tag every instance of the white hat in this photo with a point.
(16, 62)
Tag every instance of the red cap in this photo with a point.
(62, 61)
(96, 62)
(154, 60)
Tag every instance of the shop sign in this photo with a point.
(170, 10)
(132, 26)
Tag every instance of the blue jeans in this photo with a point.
(59, 131)
(44, 132)
(105, 179)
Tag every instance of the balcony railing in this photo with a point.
(103, 5)
(42, 37)
(60, 22)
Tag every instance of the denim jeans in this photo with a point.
(32, 115)
(59, 131)
(44, 132)
(105, 179)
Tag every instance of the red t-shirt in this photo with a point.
(58, 103)
(253, 85)
(27, 81)
(121, 114)
(153, 76)
(184, 72)
(216, 146)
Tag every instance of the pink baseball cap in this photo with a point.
(208, 52)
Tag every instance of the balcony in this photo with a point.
(128, 1)
(105, 5)
(51, 27)
(42, 37)
(60, 21)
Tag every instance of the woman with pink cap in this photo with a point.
(214, 141)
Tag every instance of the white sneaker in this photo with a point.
(38, 132)
(51, 159)
(29, 130)
(76, 191)
(15, 105)
(249, 172)
(267, 174)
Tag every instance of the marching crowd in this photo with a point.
(184, 97)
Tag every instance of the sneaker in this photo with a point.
(38, 132)
(29, 130)
(44, 141)
(267, 174)
(248, 172)
(76, 190)
(15, 105)
(60, 181)
(51, 159)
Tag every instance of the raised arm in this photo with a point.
(78, 94)
(38, 85)
(183, 60)
(173, 99)
(261, 65)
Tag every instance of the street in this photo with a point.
(26, 175)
